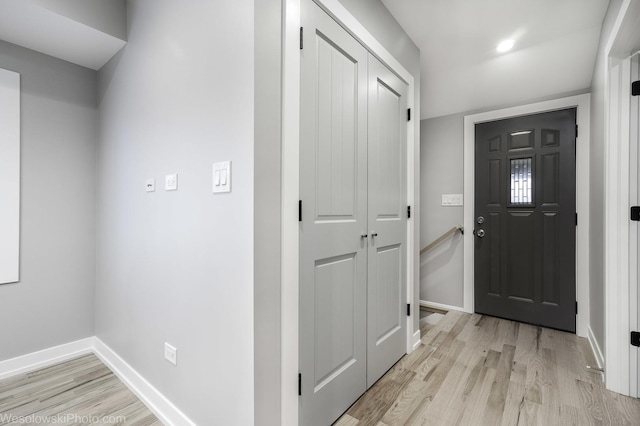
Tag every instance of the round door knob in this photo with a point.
(480, 233)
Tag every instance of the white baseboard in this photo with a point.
(595, 348)
(44, 358)
(416, 340)
(168, 413)
(441, 306)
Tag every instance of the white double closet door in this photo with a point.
(354, 224)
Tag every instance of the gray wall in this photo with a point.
(267, 199)
(53, 302)
(596, 227)
(441, 172)
(375, 17)
(177, 266)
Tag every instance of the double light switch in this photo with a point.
(222, 177)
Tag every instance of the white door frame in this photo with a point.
(582, 104)
(619, 289)
(291, 188)
(634, 241)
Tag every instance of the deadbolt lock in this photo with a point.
(480, 219)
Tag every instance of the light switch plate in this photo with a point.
(222, 177)
(450, 200)
(170, 354)
(171, 182)
(151, 185)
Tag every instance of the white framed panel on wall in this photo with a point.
(9, 176)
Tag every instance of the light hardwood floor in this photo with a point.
(479, 370)
(76, 392)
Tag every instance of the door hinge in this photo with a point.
(635, 213)
(301, 38)
(408, 309)
(409, 114)
(408, 212)
(299, 384)
(576, 307)
(576, 219)
(635, 88)
(576, 131)
(635, 338)
(299, 210)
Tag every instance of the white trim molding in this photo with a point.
(9, 176)
(620, 310)
(45, 357)
(441, 306)
(582, 104)
(416, 340)
(289, 225)
(595, 347)
(291, 178)
(159, 405)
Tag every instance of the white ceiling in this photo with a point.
(555, 48)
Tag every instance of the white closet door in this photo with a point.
(333, 190)
(387, 220)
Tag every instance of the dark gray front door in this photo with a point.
(525, 213)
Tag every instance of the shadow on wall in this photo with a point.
(437, 283)
(440, 255)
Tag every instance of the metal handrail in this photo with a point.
(442, 238)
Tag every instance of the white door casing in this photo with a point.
(620, 291)
(634, 236)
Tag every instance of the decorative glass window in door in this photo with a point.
(521, 182)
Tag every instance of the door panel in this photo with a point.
(387, 297)
(525, 194)
(337, 143)
(520, 256)
(386, 315)
(335, 292)
(333, 188)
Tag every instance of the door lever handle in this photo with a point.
(363, 236)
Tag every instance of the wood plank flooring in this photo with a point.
(82, 391)
(479, 370)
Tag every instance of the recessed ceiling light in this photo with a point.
(505, 46)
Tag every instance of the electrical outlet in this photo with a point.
(170, 354)
(151, 185)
